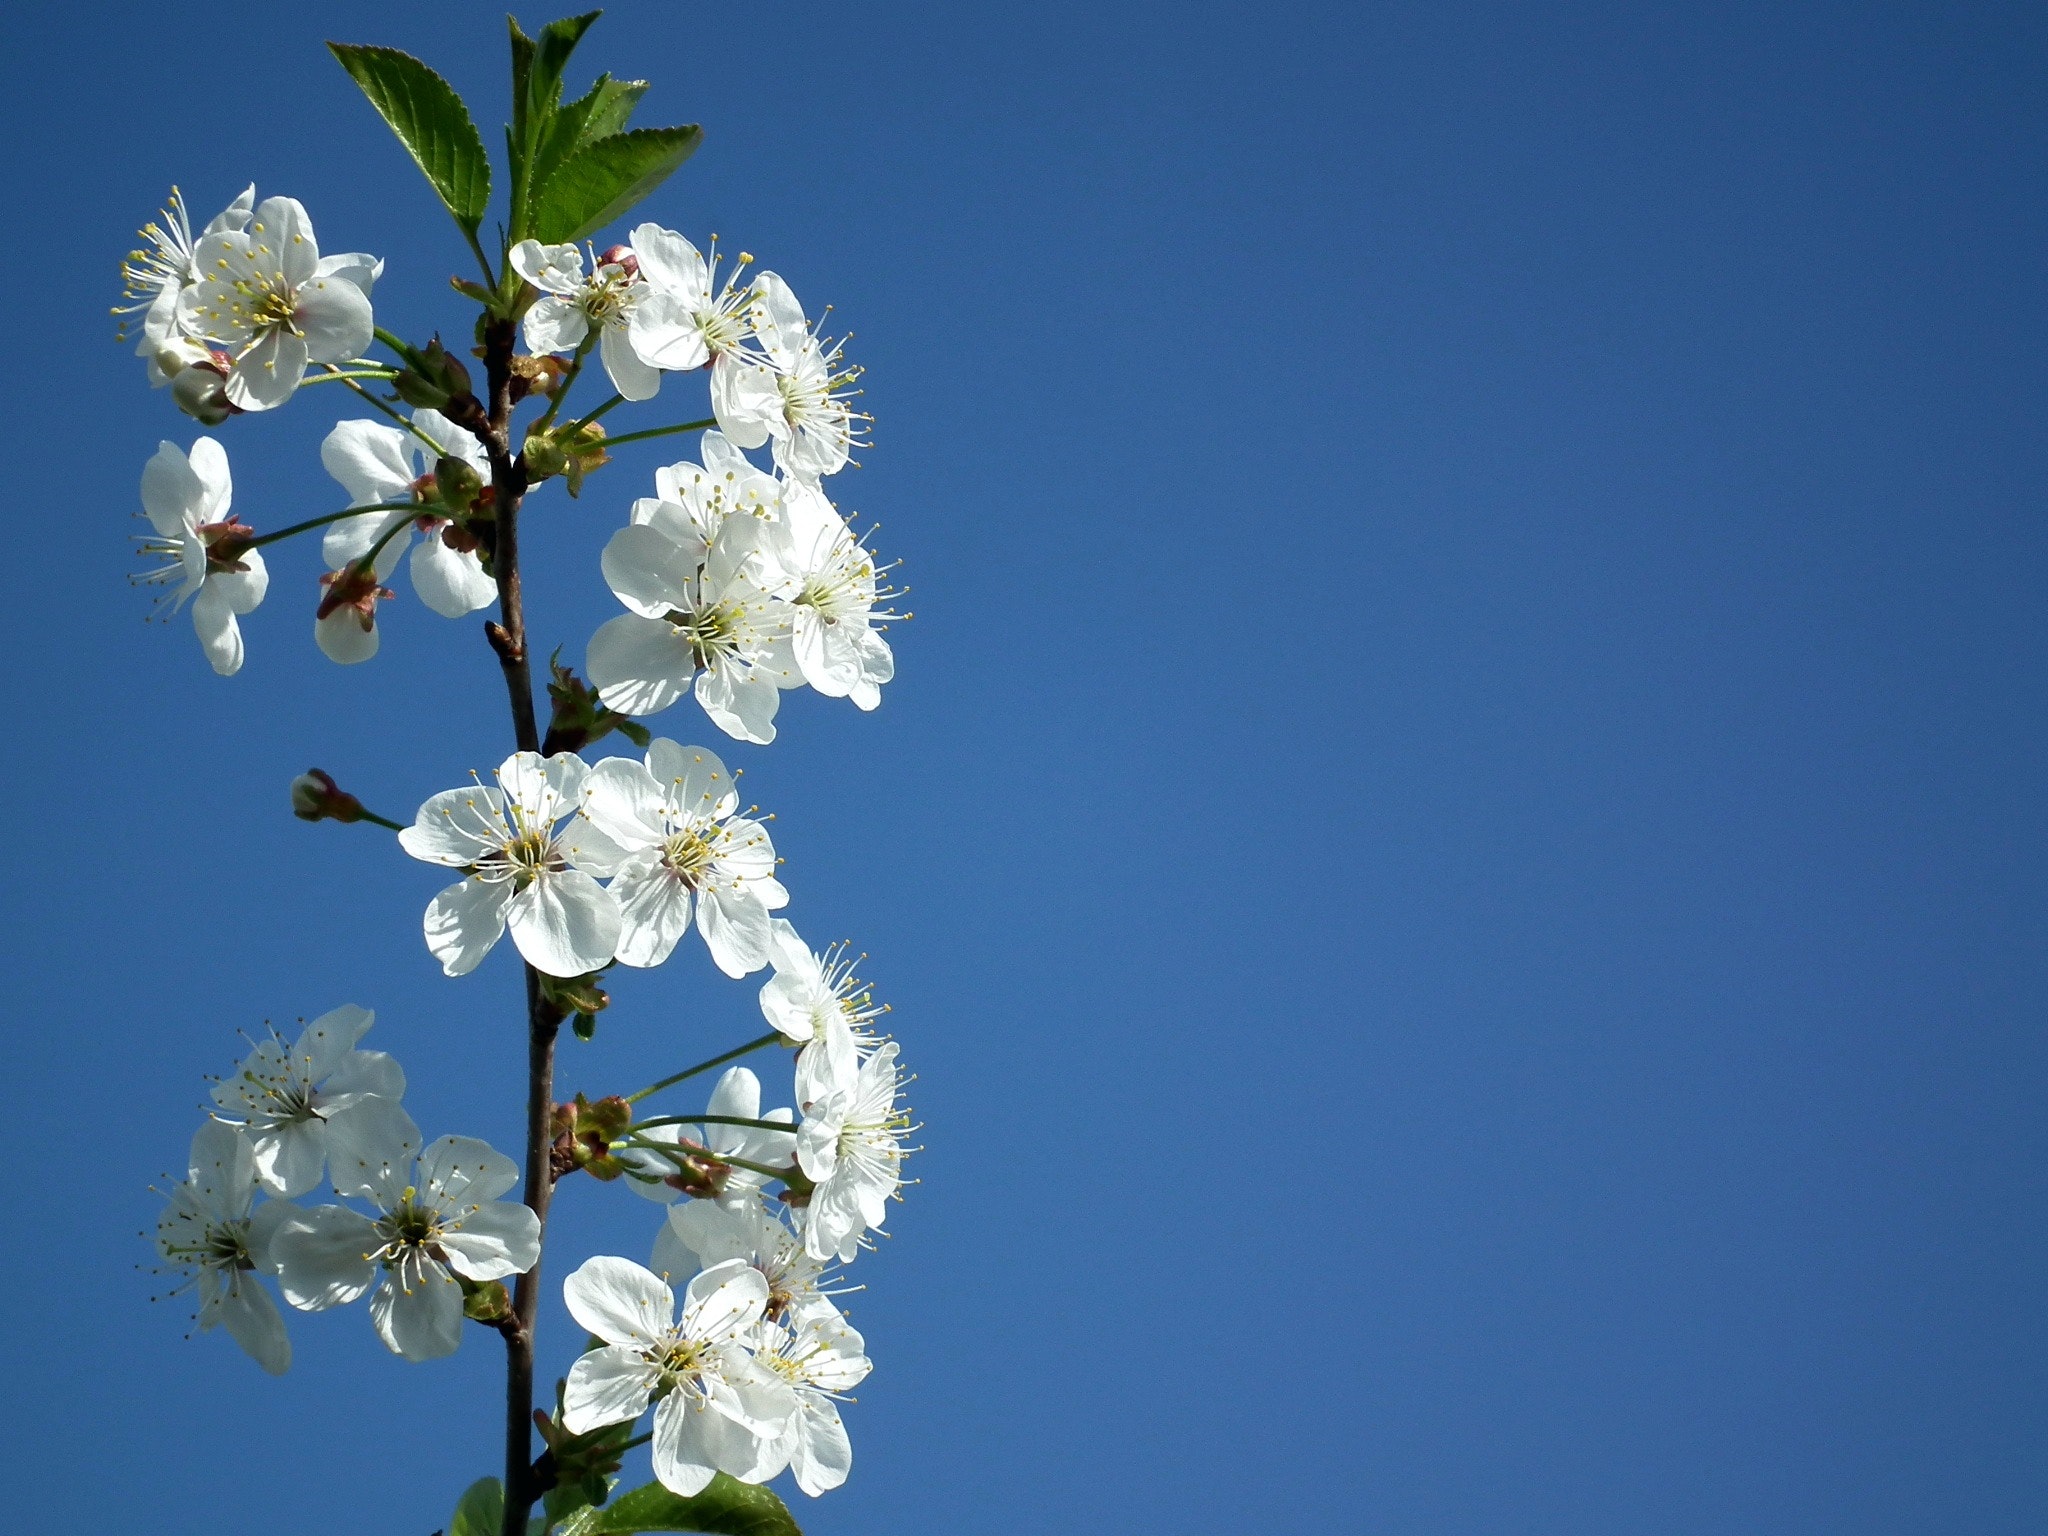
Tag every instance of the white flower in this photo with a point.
(377, 465)
(719, 1410)
(821, 1357)
(850, 1143)
(691, 502)
(798, 400)
(818, 1002)
(710, 621)
(154, 278)
(738, 1097)
(831, 584)
(435, 1220)
(207, 1231)
(296, 1101)
(676, 817)
(572, 305)
(267, 295)
(701, 1233)
(205, 550)
(700, 323)
(519, 872)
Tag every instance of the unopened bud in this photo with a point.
(438, 377)
(201, 393)
(457, 482)
(544, 456)
(622, 257)
(316, 797)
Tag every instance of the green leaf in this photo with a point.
(480, 1511)
(726, 1508)
(606, 177)
(537, 65)
(430, 121)
(601, 111)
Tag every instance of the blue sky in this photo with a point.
(1457, 843)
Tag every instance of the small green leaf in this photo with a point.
(430, 121)
(480, 1511)
(726, 1508)
(600, 112)
(607, 177)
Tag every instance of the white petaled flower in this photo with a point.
(700, 322)
(571, 306)
(691, 502)
(822, 1358)
(850, 1144)
(817, 1001)
(701, 1233)
(438, 1216)
(676, 816)
(719, 1411)
(205, 551)
(832, 586)
(518, 871)
(799, 400)
(154, 277)
(737, 1097)
(378, 465)
(296, 1101)
(267, 295)
(706, 619)
(208, 1230)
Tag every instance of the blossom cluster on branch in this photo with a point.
(740, 580)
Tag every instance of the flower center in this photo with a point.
(272, 305)
(409, 1230)
(712, 632)
(678, 1363)
(687, 856)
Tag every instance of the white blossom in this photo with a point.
(850, 1144)
(208, 1231)
(798, 398)
(817, 1001)
(571, 306)
(203, 548)
(267, 295)
(701, 1233)
(156, 276)
(832, 585)
(704, 617)
(700, 323)
(719, 1411)
(737, 1096)
(821, 1357)
(378, 465)
(518, 871)
(676, 816)
(438, 1216)
(296, 1101)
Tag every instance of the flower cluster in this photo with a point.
(741, 580)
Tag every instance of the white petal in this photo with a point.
(322, 1257)
(735, 929)
(449, 581)
(213, 617)
(423, 1322)
(605, 1386)
(501, 1240)
(619, 1301)
(631, 377)
(265, 375)
(822, 1455)
(251, 1319)
(724, 1299)
(464, 921)
(554, 325)
(334, 315)
(654, 911)
(680, 1459)
(457, 827)
(565, 923)
(648, 571)
(371, 1147)
(638, 665)
(463, 1172)
(342, 638)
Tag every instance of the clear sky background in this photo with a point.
(1458, 843)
